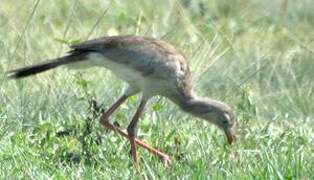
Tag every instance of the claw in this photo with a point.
(163, 157)
(165, 160)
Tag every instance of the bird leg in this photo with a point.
(132, 132)
(104, 120)
(162, 156)
(105, 117)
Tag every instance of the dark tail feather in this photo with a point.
(34, 69)
(38, 68)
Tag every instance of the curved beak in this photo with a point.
(230, 135)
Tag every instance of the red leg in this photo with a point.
(105, 116)
(104, 120)
(163, 157)
(132, 132)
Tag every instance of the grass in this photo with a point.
(255, 55)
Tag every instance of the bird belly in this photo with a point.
(122, 71)
(148, 86)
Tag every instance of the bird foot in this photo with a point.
(165, 160)
(163, 157)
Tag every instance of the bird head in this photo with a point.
(224, 119)
(216, 112)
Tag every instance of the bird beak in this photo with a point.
(230, 135)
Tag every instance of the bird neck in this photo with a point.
(193, 104)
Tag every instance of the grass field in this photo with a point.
(255, 55)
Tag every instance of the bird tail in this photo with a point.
(38, 68)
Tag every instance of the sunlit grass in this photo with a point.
(256, 56)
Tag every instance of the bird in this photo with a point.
(150, 67)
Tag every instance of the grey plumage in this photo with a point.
(148, 65)
(153, 58)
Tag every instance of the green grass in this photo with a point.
(255, 55)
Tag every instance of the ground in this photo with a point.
(256, 56)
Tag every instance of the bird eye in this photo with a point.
(225, 122)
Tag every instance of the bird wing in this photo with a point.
(100, 44)
(153, 58)
(150, 57)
